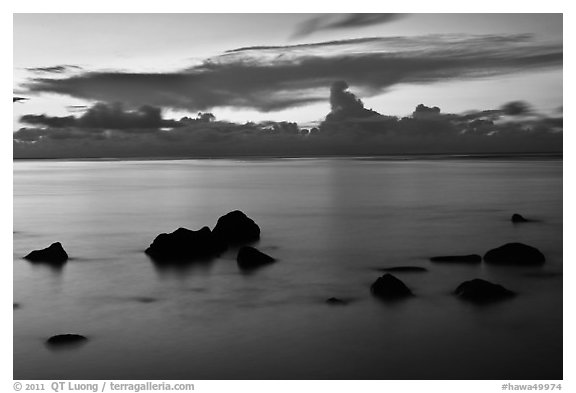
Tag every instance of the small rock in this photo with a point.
(145, 299)
(515, 254)
(66, 339)
(54, 254)
(473, 258)
(389, 287)
(517, 218)
(336, 301)
(250, 258)
(237, 228)
(482, 291)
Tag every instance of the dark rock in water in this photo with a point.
(336, 301)
(403, 269)
(482, 291)
(515, 254)
(16, 306)
(66, 340)
(517, 218)
(236, 228)
(389, 287)
(185, 245)
(250, 258)
(145, 299)
(473, 258)
(54, 254)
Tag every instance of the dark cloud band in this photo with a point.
(349, 129)
(275, 78)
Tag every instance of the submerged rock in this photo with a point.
(517, 218)
(403, 269)
(54, 254)
(389, 287)
(236, 228)
(336, 301)
(515, 254)
(145, 299)
(472, 258)
(250, 258)
(66, 340)
(185, 245)
(482, 291)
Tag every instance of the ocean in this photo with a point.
(331, 223)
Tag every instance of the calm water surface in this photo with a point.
(331, 223)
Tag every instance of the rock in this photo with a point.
(517, 218)
(482, 291)
(403, 269)
(515, 254)
(145, 299)
(336, 301)
(473, 258)
(389, 287)
(251, 258)
(66, 340)
(185, 245)
(237, 228)
(54, 254)
(16, 306)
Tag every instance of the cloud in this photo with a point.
(276, 78)
(345, 105)
(349, 129)
(49, 121)
(513, 109)
(346, 21)
(428, 130)
(77, 108)
(57, 69)
(308, 46)
(516, 108)
(106, 116)
(425, 112)
(202, 137)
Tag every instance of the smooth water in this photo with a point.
(330, 223)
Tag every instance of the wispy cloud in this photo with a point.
(57, 69)
(342, 21)
(280, 77)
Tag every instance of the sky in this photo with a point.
(269, 69)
